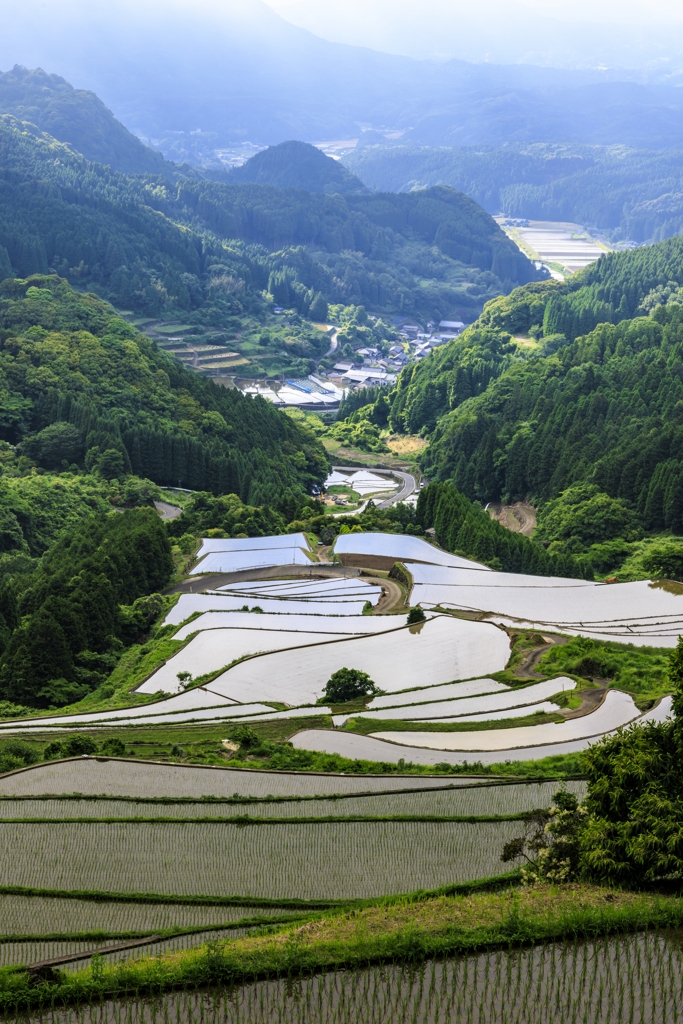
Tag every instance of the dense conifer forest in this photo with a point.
(184, 244)
(90, 390)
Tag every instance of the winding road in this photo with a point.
(408, 484)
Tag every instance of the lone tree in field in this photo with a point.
(347, 684)
(416, 615)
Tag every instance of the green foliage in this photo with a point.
(466, 529)
(16, 754)
(205, 515)
(665, 561)
(642, 671)
(604, 410)
(455, 372)
(72, 625)
(73, 746)
(635, 193)
(298, 165)
(551, 842)
(583, 515)
(78, 117)
(416, 615)
(357, 431)
(57, 445)
(347, 684)
(80, 376)
(631, 834)
(155, 244)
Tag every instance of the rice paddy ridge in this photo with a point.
(412, 931)
(487, 802)
(249, 800)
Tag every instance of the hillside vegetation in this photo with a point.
(77, 117)
(298, 165)
(219, 250)
(586, 407)
(628, 193)
(81, 386)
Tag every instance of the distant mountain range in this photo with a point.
(494, 31)
(192, 79)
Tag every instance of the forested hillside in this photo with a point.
(297, 165)
(152, 245)
(628, 193)
(78, 117)
(79, 385)
(89, 597)
(607, 408)
(572, 390)
(617, 287)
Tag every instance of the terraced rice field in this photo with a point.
(281, 861)
(402, 548)
(525, 698)
(114, 777)
(14, 953)
(213, 649)
(297, 623)
(43, 915)
(396, 746)
(214, 545)
(479, 801)
(238, 561)
(363, 482)
(309, 590)
(438, 651)
(634, 978)
(640, 613)
(219, 602)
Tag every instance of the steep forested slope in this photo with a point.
(151, 244)
(607, 408)
(617, 287)
(67, 359)
(87, 599)
(78, 117)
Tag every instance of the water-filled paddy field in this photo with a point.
(634, 979)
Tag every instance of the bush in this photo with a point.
(347, 684)
(113, 747)
(245, 736)
(10, 710)
(74, 746)
(416, 615)
(16, 754)
(665, 562)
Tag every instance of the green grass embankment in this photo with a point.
(411, 928)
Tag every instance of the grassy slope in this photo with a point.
(413, 927)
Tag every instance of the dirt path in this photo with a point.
(392, 595)
(590, 699)
(518, 518)
(525, 669)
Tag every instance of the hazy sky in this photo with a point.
(617, 11)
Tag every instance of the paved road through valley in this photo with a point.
(408, 484)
